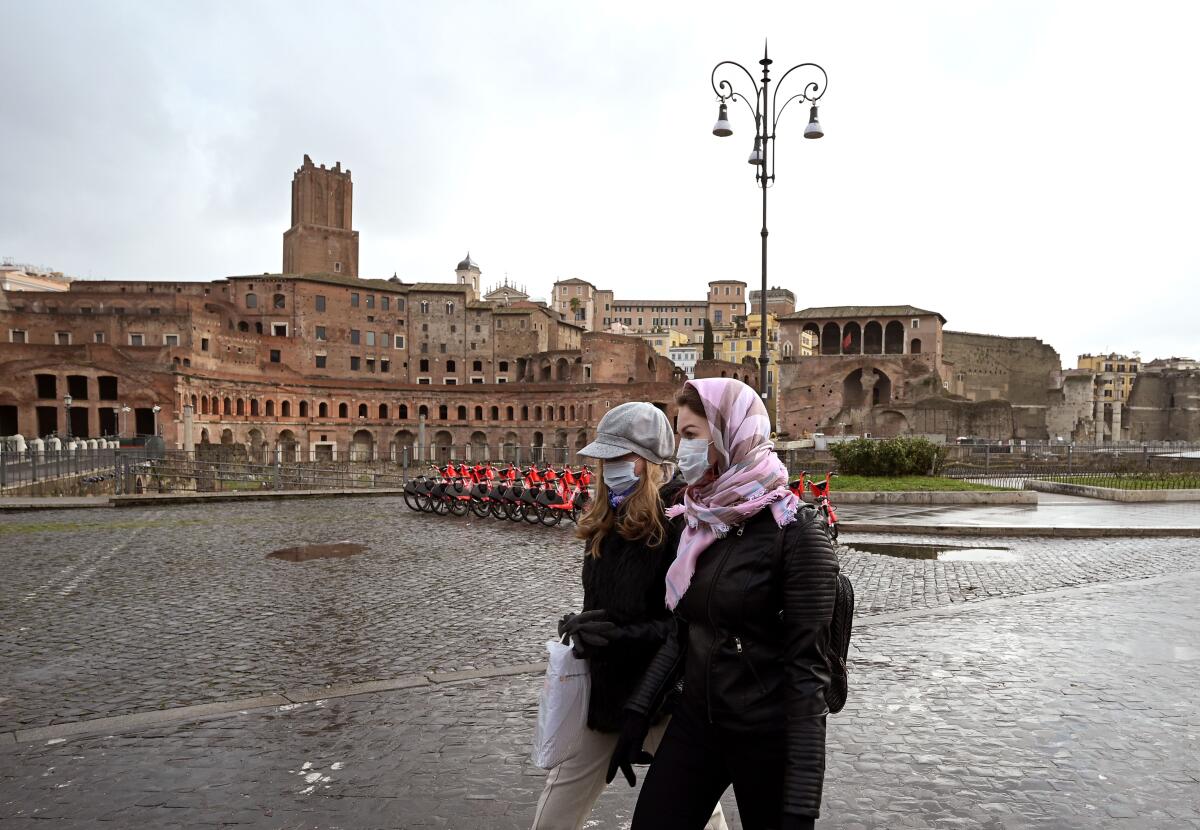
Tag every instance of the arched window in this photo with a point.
(503, 367)
(383, 410)
(204, 405)
(914, 346)
(343, 410)
(362, 410)
(572, 412)
(495, 413)
(303, 409)
(449, 306)
(424, 306)
(525, 413)
(562, 413)
(322, 410)
(462, 413)
(479, 413)
(251, 301)
(243, 326)
(254, 406)
(423, 412)
(403, 411)
(444, 412)
(278, 301)
(285, 409)
(451, 366)
(241, 407)
(508, 413)
(258, 328)
(537, 413)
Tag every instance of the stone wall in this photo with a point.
(986, 367)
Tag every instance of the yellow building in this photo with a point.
(663, 341)
(740, 341)
(1115, 374)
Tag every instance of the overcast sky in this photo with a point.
(1024, 168)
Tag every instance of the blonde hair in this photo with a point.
(642, 519)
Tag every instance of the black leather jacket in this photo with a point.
(749, 644)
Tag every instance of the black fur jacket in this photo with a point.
(628, 580)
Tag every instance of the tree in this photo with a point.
(708, 340)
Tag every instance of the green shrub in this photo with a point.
(888, 457)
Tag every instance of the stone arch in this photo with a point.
(562, 413)
(323, 410)
(509, 448)
(537, 413)
(495, 413)
(303, 409)
(423, 411)
(545, 370)
(581, 440)
(525, 413)
(240, 406)
(479, 445)
(362, 446)
(537, 447)
(852, 389)
(816, 330)
(890, 423)
(244, 327)
(401, 441)
(522, 368)
(914, 346)
(285, 409)
(403, 414)
(478, 413)
(289, 447)
(831, 339)
(343, 410)
(852, 332)
(255, 444)
(443, 446)
(254, 406)
(508, 413)
(228, 406)
(363, 410)
(204, 405)
(443, 412)
(562, 369)
(227, 436)
(204, 436)
(893, 338)
(873, 338)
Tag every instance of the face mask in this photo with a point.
(619, 476)
(693, 459)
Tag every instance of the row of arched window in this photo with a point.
(216, 406)
(855, 338)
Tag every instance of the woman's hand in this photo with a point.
(629, 747)
(589, 630)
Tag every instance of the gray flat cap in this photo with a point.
(636, 427)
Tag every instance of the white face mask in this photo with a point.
(693, 459)
(619, 476)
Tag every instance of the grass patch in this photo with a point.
(905, 484)
(1132, 481)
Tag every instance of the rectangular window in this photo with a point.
(424, 348)
(275, 356)
(62, 338)
(370, 338)
(385, 303)
(98, 337)
(170, 339)
(137, 340)
(441, 348)
(476, 380)
(320, 333)
(371, 365)
(353, 300)
(320, 302)
(399, 341)
(423, 366)
(385, 365)
(423, 381)
(354, 337)
(279, 329)
(85, 309)
(355, 363)
(320, 361)
(451, 381)
(17, 336)
(370, 301)
(203, 344)
(916, 324)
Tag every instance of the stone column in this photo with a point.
(187, 444)
(422, 449)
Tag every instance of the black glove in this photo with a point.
(588, 631)
(629, 747)
(563, 623)
(791, 821)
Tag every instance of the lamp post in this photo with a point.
(766, 111)
(67, 406)
(156, 409)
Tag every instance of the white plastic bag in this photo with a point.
(562, 707)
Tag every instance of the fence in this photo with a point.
(216, 468)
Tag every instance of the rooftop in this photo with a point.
(860, 311)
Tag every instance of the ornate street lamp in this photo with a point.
(766, 111)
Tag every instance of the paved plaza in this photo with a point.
(1050, 686)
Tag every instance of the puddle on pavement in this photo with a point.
(943, 553)
(302, 553)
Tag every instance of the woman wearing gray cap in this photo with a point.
(628, 547)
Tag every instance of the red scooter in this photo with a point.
(820, 494)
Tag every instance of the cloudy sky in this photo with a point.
(1025, 168)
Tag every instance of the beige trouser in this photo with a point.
(574, 785)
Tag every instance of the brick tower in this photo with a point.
(320, 240)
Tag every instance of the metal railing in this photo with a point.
(54, 472)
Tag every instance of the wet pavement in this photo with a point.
(1054, 688)
(1067, 710)
(1052, 510)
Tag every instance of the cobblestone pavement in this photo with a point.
(1070, 710)
(105, 613)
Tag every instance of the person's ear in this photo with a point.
(639, 466)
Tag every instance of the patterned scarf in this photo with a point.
(750, 477)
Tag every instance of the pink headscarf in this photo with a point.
(750, 478)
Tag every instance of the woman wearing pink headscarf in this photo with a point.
(752, 586)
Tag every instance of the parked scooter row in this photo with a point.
(820, 494)
(533, 494)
